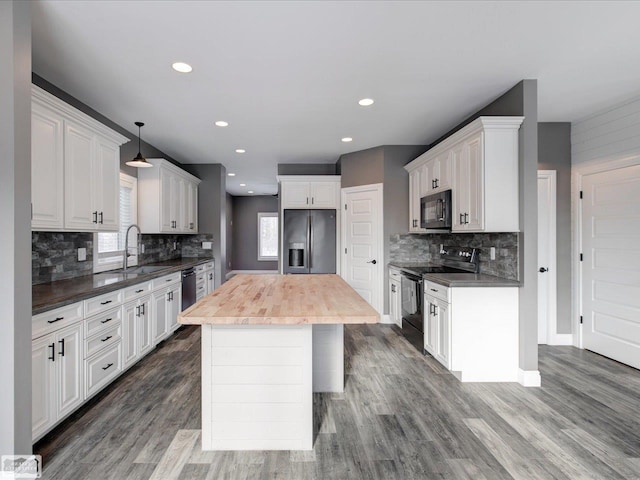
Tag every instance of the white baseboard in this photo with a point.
(561, 339)
(529, 378)
(249, 272)
(385, 319)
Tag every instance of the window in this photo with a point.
(267, 236)
(108, 247)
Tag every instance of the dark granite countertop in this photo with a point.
(48, 296)
(458, 279)
(469, 280)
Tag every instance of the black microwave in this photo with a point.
(435, 211)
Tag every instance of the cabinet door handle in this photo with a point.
(312, 199)
(95, 217)
(142, 308)
(393, 288)
(106, 338)
(101, 218)
(307, 200)
(61, 342)
(168, 296)
(138, 311)
(106, 320)
(141, 290)
(211, 276)
(437, 181)
(462, 219)
(108, 366)
(106, 303)
(466, 218)
(57, 319)
(53, 352)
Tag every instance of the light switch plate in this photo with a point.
(82, 254)
(206, 245)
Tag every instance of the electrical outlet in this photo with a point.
(82, 254)
(206, 245)
(492, 253)
(175, 245)
(142, 248)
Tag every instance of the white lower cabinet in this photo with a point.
(57, 377)
(395, 306)
(175, 308)
(476, 345)
(130, 334)
(102, 368)
(137, 317)
(166, 307)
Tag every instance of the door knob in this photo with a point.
(372, 261)
(542, 270)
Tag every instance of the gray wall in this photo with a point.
(245, 231)
(306, 169)
(15, 235)
(212, 211)
(129, 149)
(554, 153)
(364, 167)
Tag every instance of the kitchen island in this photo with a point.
(268, 343)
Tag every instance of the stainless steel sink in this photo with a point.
(142, 270)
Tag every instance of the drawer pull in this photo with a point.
(107, 338)
(433, 290)
(106, 320)
(201, 288)
(55, 320)
(108, 366)
(105, 303)
(139, 291)
(168, 279)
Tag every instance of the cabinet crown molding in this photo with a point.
(309, 178)
(46, 99)
(478, 125)
(164, 163)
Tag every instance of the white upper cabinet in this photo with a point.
(479, 163)
(167, 199)
(47, 169)
(317, 191)
(75, 167)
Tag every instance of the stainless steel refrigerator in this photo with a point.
(309, 241)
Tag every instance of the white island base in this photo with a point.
(258, 383)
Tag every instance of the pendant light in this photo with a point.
(139, 161)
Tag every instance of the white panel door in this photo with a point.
(161, 304)
(47, 169)
(175, 307)
(414, 201)
(129, 333)
(611, 265)
(475, 218)
(362, 234)
(460, 196)
(166, 220)
(324, 194)
(296, 195)
(79, 171)
(546, 256)
(145, 326)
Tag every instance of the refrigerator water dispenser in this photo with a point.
(296, 255)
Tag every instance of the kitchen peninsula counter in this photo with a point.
(268, 343)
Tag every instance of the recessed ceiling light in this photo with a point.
(243, 184)
(347, 139)
(221, 123)
(240, 150)
(250, 191)
(231, 174)
(365, 102)
(182, 67)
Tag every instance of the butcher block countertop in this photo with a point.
(281, 300)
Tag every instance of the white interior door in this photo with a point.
(362, 242)
(547, 276)
(611, 265)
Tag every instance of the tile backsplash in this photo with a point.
(54, 255)
(426, 247)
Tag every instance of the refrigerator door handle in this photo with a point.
(310, 241)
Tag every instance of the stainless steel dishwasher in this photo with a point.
(188, 287)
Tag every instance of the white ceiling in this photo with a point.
(287, 75)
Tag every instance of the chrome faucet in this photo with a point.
(125, 254)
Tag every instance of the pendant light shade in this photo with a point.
(139, 161)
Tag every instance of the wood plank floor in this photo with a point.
(402, 416)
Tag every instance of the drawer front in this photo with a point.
(200, 290)
(136, 291)
(395, 274)
(102, 368)
(47, 322)
(436, 290)
(200, 268)
(103, 302)
(101, 322)
(201, 277)
(106, 338)
(166, 280)
(208, 266)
